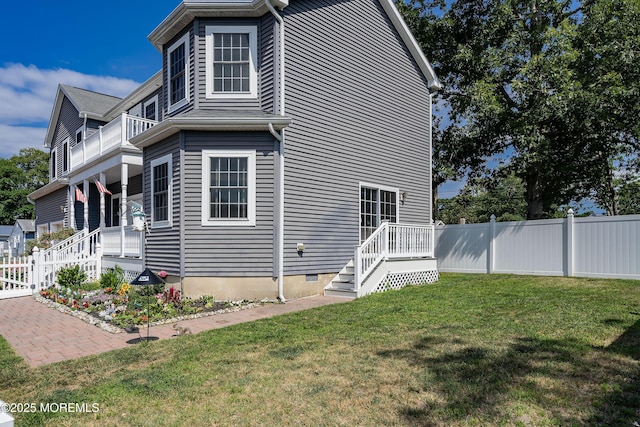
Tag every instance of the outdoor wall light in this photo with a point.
(300, 247)
(403, 196)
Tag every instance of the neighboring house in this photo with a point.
(269, 145)
(23, 230)
(5, 232)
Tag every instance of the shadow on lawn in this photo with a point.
(563, 378)
(623, 403)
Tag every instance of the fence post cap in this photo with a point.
(570, 212)
(492, 218)
(35, 249)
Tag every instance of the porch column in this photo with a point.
(72, 208)
(85, 190)
(103, 212)
(124, 179)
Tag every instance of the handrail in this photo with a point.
(392, 241)
(81, 243)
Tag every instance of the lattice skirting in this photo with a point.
(128, 274)
(400, 280)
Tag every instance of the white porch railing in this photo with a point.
(128, 244)
(116, 133)
(391, 241)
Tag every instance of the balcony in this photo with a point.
(115, 134)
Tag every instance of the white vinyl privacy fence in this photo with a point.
(606, 247)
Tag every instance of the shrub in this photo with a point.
(112, 278)
(46, 240)
(71, 277)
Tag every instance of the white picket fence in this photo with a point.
(607, 247)
(22, 276)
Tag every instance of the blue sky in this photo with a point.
(100, 46)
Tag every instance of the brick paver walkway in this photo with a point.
(42, 335)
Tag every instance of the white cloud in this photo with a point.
(26, 100)
(15, 138)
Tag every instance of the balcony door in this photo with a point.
(377, 204)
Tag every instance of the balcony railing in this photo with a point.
(126, 242)
(116, 133)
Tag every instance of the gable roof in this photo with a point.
(187, 10)
(93, 104)
(27, 225)
(89, 102)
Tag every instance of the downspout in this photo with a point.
(280, 138)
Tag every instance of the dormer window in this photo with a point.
(231, 61)
(178, 73)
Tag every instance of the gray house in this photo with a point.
(281, 150)
(23, 230)
(5, 232)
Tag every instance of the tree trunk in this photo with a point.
(435, 214)
(535, 207)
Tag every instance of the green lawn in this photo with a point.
(468, 350)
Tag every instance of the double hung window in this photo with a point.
(178, 73)
(231, 58)
(228, 187)
(161, 184)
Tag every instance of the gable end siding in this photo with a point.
(361, 113)
(69, 122)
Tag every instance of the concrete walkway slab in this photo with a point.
(43, 335)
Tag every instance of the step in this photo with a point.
(342, 284)
(344, 293)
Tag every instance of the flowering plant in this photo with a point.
(162, 274)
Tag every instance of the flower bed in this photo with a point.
(125, 307)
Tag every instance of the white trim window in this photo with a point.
(178, 73)
(161, 192)
(42, 229)
(150, 109)
(53, 166)
(65, 156)
(228, 187)
(377, 204)
(231, 61)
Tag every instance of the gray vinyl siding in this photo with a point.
(92, 127)
(163, 244)
(228, 251)
(265, 71)
(69, 122)
(48, 208)
(360, 110)
(164, 99)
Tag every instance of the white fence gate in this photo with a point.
(16, 277)
(27, 275)
(607, 247)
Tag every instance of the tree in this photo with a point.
(20, 176)
(608, 107)
(513, 76)
(500, 195)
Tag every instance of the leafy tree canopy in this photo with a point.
(525, 82)
(19, 176)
